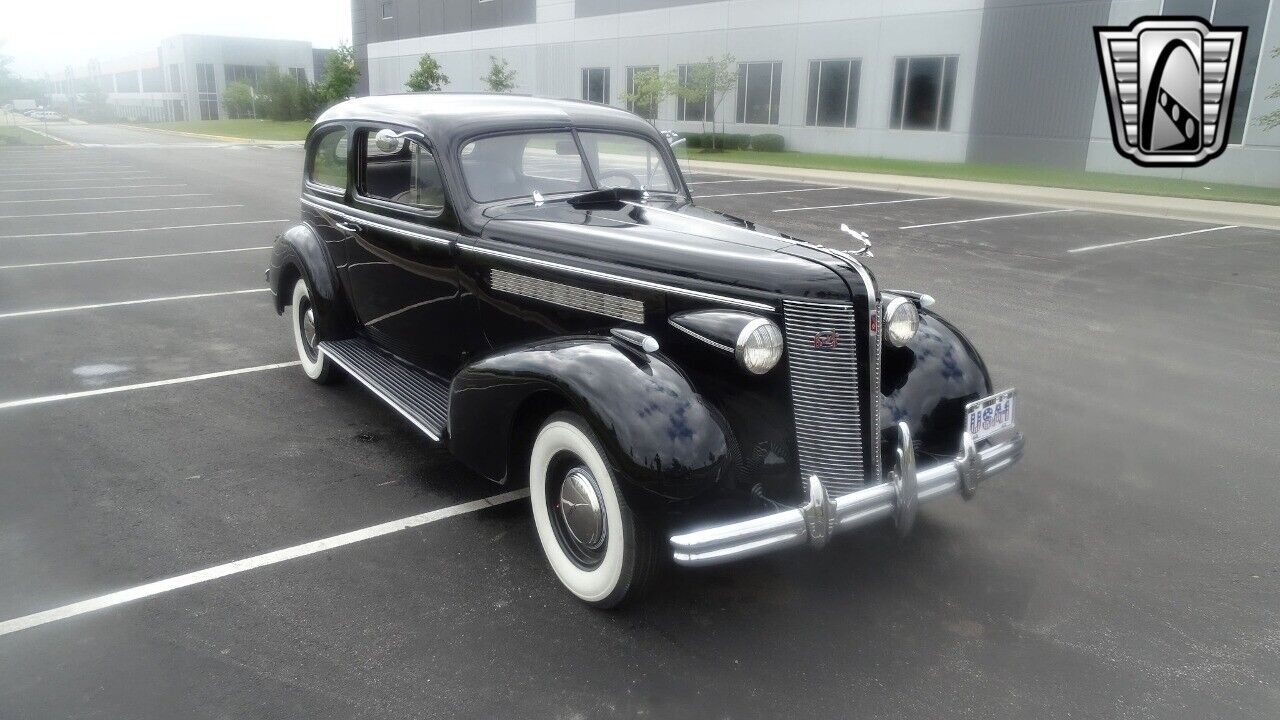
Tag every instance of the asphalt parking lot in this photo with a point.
(1126, 568)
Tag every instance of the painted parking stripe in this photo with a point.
(79, 180)
(120, 212)
(55, 173)
(93, 261)
(121, 303)
(45, 399)
(864, 204)
(984, 219)
(176, 582)
(137, 230)
(774, 192)
(1087, 248)
(735, 180)
(27, 201)
(92, 187)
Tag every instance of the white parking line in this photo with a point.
(136, 230)
(773, 192)
(94, 187)
(737, 180)
(1087, 248)
(176, 582)
(43, 399)
(118, 212)
(90, 172)
(983, 219)
(131, 257)
(120, 303)
(862, 204)
(103, 197)
(83, 179)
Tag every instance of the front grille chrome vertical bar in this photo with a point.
(822, 355)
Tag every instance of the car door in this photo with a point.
(400, 241)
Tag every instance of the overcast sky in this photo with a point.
(44, 36)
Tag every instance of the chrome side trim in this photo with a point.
(614, 306)
(621, 279)
(343, 212)
(699, 336)
(802, 525)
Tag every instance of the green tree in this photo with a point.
(427, 77)
(648, 89)
(710, 82)
(1272, 119)
(340, 75)
(238, 99)
(283, 96)
(501, 78)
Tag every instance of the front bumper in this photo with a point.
(822, 516)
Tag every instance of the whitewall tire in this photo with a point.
(303, 318)
(595, 545)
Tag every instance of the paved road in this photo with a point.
(1127, 568)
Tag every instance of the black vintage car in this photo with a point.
(529, 282)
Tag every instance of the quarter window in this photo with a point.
(408, 175)
(643, 73)
(923, 88)
(595, 85)
(833, 93)
(329, 160)
(759, 86)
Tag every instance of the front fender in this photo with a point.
(927, 384)
(666, 442)
(299, 252)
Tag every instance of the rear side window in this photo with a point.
(329, 162)
(407, 176)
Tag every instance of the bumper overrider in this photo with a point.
(899, 497)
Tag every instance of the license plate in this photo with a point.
(990, 415)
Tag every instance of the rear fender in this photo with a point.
(299, 252)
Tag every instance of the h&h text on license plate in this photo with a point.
(990, 415)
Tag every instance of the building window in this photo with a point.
(1249, 13)
(250, 75)
(759, 85)
(175, 78)
(833, 93)
(648, 111)
(922, 92)
(697, 109)
(299, 74)
(388, 9)
(595, 85)
(207, 91)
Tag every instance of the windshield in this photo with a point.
(513, 166)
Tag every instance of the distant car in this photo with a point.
(47, 115)
(529, 282)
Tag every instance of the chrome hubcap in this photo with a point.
(582, 508)
(309, 328)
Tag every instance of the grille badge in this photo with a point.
(826, 339)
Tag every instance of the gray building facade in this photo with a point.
(993, 81)
(184, 78)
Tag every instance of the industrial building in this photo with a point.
(992, 81)
(184, 78)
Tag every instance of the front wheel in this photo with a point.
(302, 313)
(597, 548)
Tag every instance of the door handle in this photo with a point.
(348, 227)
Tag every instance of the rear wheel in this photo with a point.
(315, 363)
(595, 545)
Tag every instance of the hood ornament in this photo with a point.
(861, 237)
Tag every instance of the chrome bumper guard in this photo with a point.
(899, 497)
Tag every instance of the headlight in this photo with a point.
(901, 321)
(759, 346)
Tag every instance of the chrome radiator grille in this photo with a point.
(822, 355)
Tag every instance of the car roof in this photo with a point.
(447, 117)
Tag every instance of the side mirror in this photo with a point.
(388, 141)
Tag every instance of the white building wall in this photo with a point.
(548, 57)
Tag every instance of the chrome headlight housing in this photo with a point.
(759, 346)
(901, 321)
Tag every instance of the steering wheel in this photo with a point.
(632, 180)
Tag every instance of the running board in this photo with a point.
(420, 398)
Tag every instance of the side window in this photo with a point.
(407, 175)
(329, 160)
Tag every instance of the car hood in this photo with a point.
(674, 242)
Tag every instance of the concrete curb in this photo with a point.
(219, 138)
(1208, 211)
